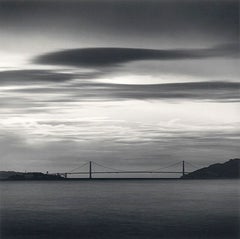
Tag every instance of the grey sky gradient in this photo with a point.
(46, 25)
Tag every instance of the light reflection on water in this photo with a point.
(120, 209)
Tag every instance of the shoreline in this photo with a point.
(114, 179)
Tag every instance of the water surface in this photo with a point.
(149, 209)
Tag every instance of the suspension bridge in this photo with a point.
(94, 169)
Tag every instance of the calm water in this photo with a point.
(120, 209)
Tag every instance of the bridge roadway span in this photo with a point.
(90, 171)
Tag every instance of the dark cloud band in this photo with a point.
(86, 90)
(22, 77)
(102, 57)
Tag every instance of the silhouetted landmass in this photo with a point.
(11, 175)
(229, 169)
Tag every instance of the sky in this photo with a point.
(125, 83)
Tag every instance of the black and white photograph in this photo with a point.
(119, 119)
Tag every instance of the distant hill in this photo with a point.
(8, 174)
(229, 169)
(11, 175)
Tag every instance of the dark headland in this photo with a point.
(229, 169)
(12, 175)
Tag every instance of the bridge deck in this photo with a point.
(101, 172)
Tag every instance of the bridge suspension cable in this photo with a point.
(78, 167)
(151, 170)
(115, 170)
(193, 165)
(167, 166)
(103, 166)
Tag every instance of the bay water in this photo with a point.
(126, 209)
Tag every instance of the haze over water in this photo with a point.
(120, 209)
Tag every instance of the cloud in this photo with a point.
(42, 144)
(48, 117)
(22, 77)
(104, 129)
(212, 91)
(104, 57)
(78, 90)
(42, 89)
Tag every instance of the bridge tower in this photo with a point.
(90, 169)
(183, 168)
